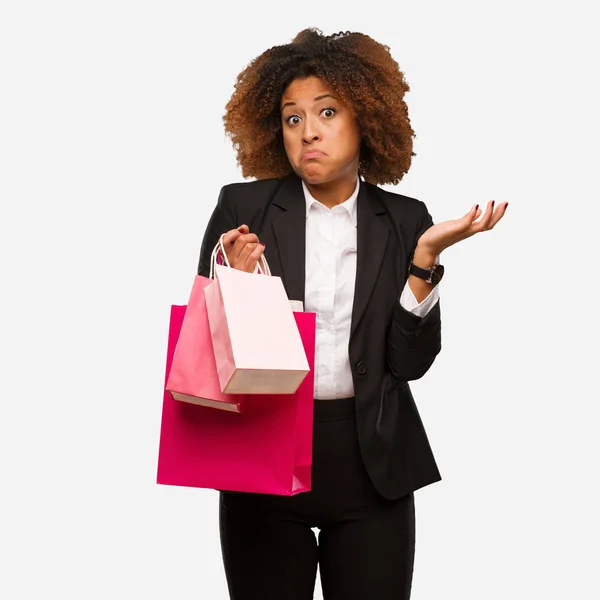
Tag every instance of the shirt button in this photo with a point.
(360, 368)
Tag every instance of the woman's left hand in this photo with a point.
(442, 235)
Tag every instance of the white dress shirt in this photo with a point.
(329, 291)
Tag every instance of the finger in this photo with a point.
(241, 261)
(247, 238)
(467, 219)
(232, 235)
(237, 247)
(254, 257)
(483, 223)
(498, 214)
(240, 243)
(465, 224)
(471, 218)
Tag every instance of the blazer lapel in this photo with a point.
(289, 230)
(372, 238)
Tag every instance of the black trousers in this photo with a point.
(366, 544)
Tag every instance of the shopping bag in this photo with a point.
(265, 449)
(193, 375)
(256, 342)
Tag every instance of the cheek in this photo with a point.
(357, 139)
(288, 144)
(348, 134)
(352, 140)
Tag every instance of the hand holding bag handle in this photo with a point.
(219, 256)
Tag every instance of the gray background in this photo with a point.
(112, 154)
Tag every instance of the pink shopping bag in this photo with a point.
(265, 449)
(193, 374)
(256, 342)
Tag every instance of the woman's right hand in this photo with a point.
(243, 248)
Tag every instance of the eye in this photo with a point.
(328, 112)
(292, 120)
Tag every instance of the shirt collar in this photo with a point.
(349, 205)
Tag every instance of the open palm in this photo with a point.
(442, 235)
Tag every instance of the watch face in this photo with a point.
(437, 274)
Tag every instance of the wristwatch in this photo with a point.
(433, 275)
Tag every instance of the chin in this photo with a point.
(312, 180)
(313, 176)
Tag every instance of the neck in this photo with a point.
(333, 193)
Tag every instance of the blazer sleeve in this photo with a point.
(413, 342)
(222, 220)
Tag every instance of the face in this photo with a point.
(320, 134)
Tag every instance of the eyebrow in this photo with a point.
(316, 99)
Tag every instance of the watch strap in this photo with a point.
(419, 271)
(432, 275)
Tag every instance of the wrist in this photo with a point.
(425, 258)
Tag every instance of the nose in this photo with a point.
(310, 132)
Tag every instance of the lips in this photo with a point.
(312, 155)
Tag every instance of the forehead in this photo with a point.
(303, 90)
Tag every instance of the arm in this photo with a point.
(414, 340)
(410, 303)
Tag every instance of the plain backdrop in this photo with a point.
(112, 155)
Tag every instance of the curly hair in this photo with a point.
(358, 69)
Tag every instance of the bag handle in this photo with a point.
(219, 257)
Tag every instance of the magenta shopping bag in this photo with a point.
(267, 448)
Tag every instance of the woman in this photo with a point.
(320, 123)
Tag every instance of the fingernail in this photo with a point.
(231, 243)
(476, 207)
(241, 230)
(493, 202)
(262, 243)
(506, 206)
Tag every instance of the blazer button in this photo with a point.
(360, 368)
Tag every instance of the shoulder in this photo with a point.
(401, 208)
(248, 201)
(396, 202)
(257, 191)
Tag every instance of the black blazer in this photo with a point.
(388, 346)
